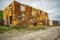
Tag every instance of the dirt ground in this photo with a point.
(52, 33)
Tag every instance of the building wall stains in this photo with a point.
(20, 14)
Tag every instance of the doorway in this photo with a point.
(10, 19)
(34, 24)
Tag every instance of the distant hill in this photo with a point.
(1, 14)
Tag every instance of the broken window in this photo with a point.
(22, 7)
(20, 17)
(10, 7)
(40, 12)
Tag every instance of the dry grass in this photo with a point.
(20, 28)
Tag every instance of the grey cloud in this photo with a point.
(50, 6)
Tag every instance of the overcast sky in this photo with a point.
(50, 6)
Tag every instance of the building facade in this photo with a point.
(21, 14)
(53, 22)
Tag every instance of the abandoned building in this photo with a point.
(53, 22)
(21, 14)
